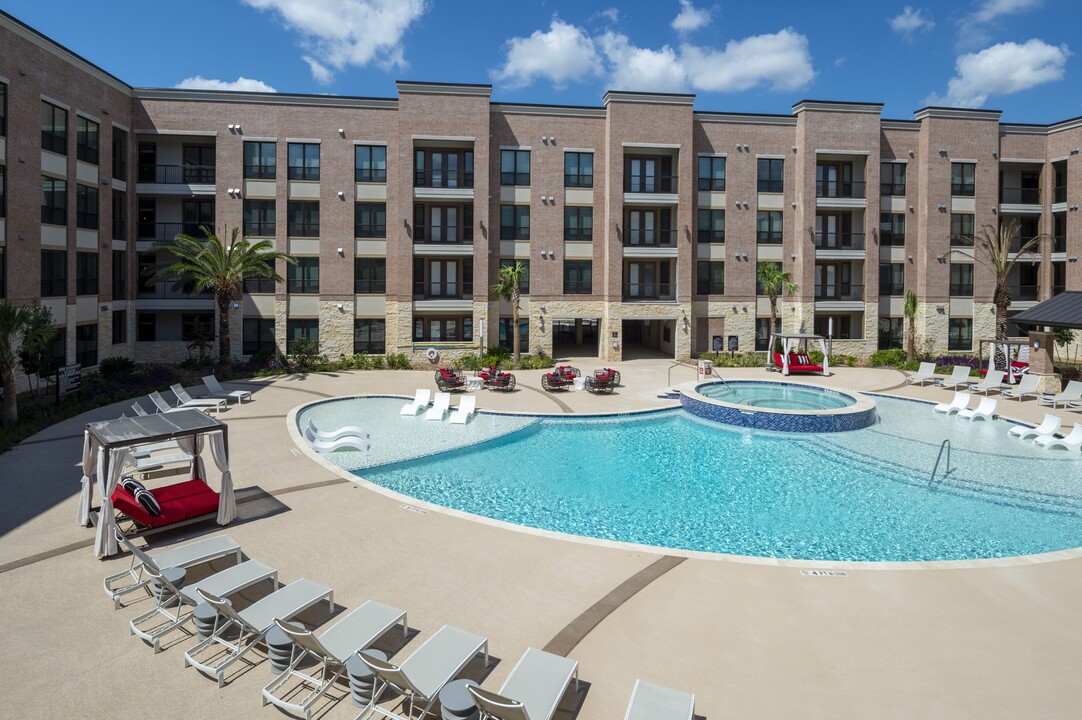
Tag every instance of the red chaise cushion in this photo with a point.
(179, 502)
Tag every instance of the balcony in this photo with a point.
(442, 234)
(839, 189)
(1020, 196)
(650, 238)
(839, 241)
(161, 296)
(162, 232)
(1024, 293)
(649, 292)
(177, 174)
(840, 293)
(648, 184)
(1019, 242)
(443, 179)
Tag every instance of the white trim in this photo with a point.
(708, 117)
(307, 141)
(369, 143)
(516, 147)
(846, 107)
(87, 116)
(705, 154)
(828, 151)
(961, 160)
(115, 124)
(579, 150)
(51, 101)
(1058, 159)
(178, 133)
(1022, 160)
(445, 138)
(759, 156)
(650, 98)
(649, 146)
(957, 114)
(546, 110)
(405, 86)
(893, 160)
(260, 139)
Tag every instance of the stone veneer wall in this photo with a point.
(931, 329)
(335, 328)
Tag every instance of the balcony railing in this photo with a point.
(177, 174)
(648, 292)
(650, 184)
(446, 291)
(1024, 293)
(1020, 196)
(1019, 242)
(839, 189)
(168, 231)
(1059, 243)
(444, 179)
(164, 291)
(448, 234)
(839, 292)
(650, 238)
(891, 289)
(839, 241)
(1059, 194)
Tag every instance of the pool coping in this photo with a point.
(857, 416)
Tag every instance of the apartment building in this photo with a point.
(641, 221)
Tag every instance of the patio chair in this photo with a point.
(139, 411)
(959, 376)
(331, 435)
(163, 405)
(1071, 442)
(602, 381)
(532, 691)
(326, 445)
(492, 378)
(992, 380)
(960, 401)
(192, 553)
(983, 411)
(440, 407)
(925, 373)
(217, 391)
(1026, 386)
(254, 622)
(447, 380)
(654, 702)
(421, 400)
(424, 673)
(1071, 394)
(330, 651)
(465, 410)
(1047, 428)
(187, 401)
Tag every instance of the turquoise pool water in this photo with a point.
(777, 396)
(668, 480)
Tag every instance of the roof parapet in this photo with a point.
(837, 106)
(952, 113)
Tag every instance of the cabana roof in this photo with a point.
(1063, 310)
(126, 432)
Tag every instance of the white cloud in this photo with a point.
(911, 20)
(989, 10)
(243, 84)
(611, 14)
(690, 17)
(635, 68)
(1003, 69)
(779, 60)
(340, 33)
(563, 54)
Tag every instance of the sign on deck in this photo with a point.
(68, 379)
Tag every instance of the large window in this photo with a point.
(892, 229)
(54, 201)
(711, 226)
(514, 167)
(890, 332)
(524, 278)
(58, 348)
(961, 284)
(370, 336)
(120, 215)
(514, 222)
(892, 179)
(578, 223)
(86, 207)
(892, 279)
(771, 175)
(370, 163)
(120, 275)
(578, 169)
(86, 273)
(768, 227)
(303, 218)
(307, 328)
(442, 329)
(442, 168)
(260, 160)
(302, 277)
(710, 278)
(711, 173)
(762, 332)
(120, 327)
(86, 345)
(507, 339)
(54, 273)
(441, 223)
(259, 218)
(256, 286)
(435, 279)
(960, 334)
(54, 128)
(843, 326)
(649, 175)
(303, 161)
(3, 109)
(146, 327)
(3, 191)
(120, 154)
(578, 277)
(198, 164)
(370, 220)
(649, 227)
(962, 179)
(369, 276)
(87, 140)
(258, 335)
(961, 229)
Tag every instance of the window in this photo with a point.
(258, 335)
(87, 138)
(834, 281)
(578, 277)
(58, 348)
(86, 345)
(962, 179)
(711, 173)
(649, 227)
(302, 217)
(303, 161)
(120, 154)
(260, 160)
(758, 285)
(892, 229)
(771, 175)
(579, 170)
(890, 333)
(648, 175)
(86, 207)
(960, 334)
(443, 168)
(3, 191)
(892, 179)
(843, 327)
(197, 214)
(120, 215)
(892, 279)
(524, 278)
(302, 277)
(54, 128)
(441, 278)
(3, 109)
(54, 201)
(514, 222)
(256, 286)
(3, 273)
(259, 218)
(514, 167)
(197, 326)
(768, 225)
(120, 327)
(762, 332)
(961, 229)
(86, 273)
(370, 220)
(711, 226)
(578, 223)
(54, 273)
(961, 280)
(148, 162)
(443, 329)
(297, 329)
(507, 339)
(710, 278)
(439, 223)
(370, 163)
(369, 276)
(370, 336)
(146, 327)
(198, 164)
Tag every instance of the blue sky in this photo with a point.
(1010, 55)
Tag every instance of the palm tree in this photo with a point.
(509, 287)
(210, 264)
(910, 312)
(18, 324)
(773, 282)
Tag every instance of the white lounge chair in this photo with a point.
(991, 381)
(983, 411)
(1071, 442)
(345, 442)
(254, 622)
(925, 373)
(163, 405)
(144, 451)
(654, 702)
(139, 411)
(330, 651)
(217, 391)
(959, 376)
(532, 691)
(1026, 386)
(960, 401)
(330, 435)
(187, 401)
(420, 402)
(153, 462)
(1071, 394)
(1047, 428)
(440, 407)
(466, 409)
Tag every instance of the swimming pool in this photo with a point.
(777, 396)
(667, 479)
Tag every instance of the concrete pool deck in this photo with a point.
(761, 639)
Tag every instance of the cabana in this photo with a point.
(106, 450)
(789, 343)
(1015, 351)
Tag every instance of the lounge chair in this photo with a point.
(991, 381)
(1071, 394)
(654, 702)
(1047, 428)
(163, 405)
(139, 411)
(983, 411)
(440, 407)
(144, 451)
(331, 650)
(424, 673)
(217, 391)
(345, 442)
(466, 409)
(187, 401)
(1071, 442)
(421, 400)
(924, 374)
(330, 435)
(254, 622)
(147, 463)
(960, 401)
(532, 691)
(1026, 386)
(959, 376)
(184, 556)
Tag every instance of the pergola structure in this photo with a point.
(106, 449)
(791, 342)
(1008, 347)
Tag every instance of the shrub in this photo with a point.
(111, 365)
(375, 362)
(497, 354)
(893, 357)
(739, 360)
(535, 362)
(399, 361)
(944, 363)
(305, 354)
